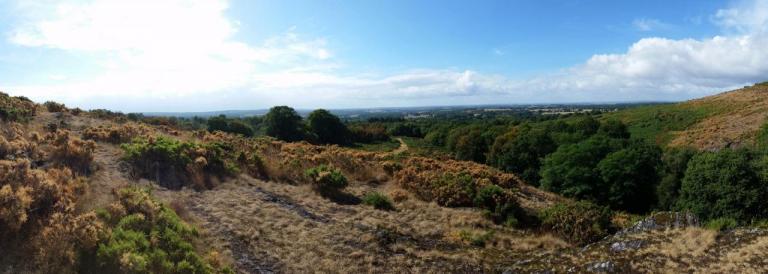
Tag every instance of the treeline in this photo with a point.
(586, 158)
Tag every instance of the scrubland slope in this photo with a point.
(94, 183)
(729, 119)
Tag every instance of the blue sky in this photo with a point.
(199, 55)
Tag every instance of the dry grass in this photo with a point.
(689, 242)
(742, 113)
(302, 232)
(117, 134)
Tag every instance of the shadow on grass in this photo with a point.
(341, 198)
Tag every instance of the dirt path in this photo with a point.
(403, 146)
(109, 175)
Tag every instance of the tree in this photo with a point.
(723, 184)
(586, 126)
(406, 129)
(328, 128)
(470, 147)
(218, 123)
(571, 170)
(238, 127)
(521, 151)
(614, 129)
(282, 122)
(221, 123)
(675, 162)
(631, 175)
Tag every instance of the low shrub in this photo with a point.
(579, 222)
(52, 106)
(117, 134)
(106, 114)
(71, 152)
(326, 179)
(175, 164)
(449, 183)
(369, 133)
(478, 239)
(378, 201)
(722, 224)
(16, 109)
(37, 205)
(498, 204)
(147, 237)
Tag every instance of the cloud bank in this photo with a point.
(175, 52)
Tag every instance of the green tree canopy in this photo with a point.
(521, 151)
(328, 128)
(631, 175)
(282, 122)
(571, 170)
(723, 184)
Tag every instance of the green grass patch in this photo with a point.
(420, 147)
(378, 201)
(722, 224)
(385, 146)
(657, 123)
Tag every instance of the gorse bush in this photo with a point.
(71, 152)
(174, 163)
(326, 179)
(454, 189)
(449, 183)
(117, 134)
(16, 109)
(378, 201)
(147, 237)
(54, 107)
(498, 205)
(578, 222)
(38, 194)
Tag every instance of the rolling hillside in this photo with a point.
(221, 203)
(729, 119)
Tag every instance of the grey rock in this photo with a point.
(662, 221)
(602, 267)
(627, 245)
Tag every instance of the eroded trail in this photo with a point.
(403, 146)
(275, 227)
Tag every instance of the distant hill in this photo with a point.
(729, 119)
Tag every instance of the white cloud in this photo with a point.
(746, 16)
(645, 24)
(657, 67)
(177, 62)
(155, 48)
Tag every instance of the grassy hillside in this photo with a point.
(92, 192)
(723, 120)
